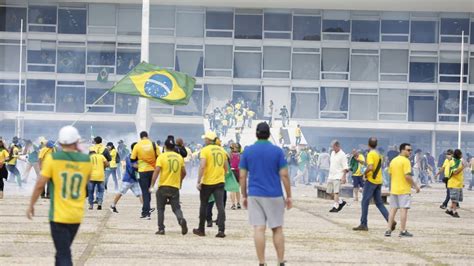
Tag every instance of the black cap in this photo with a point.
(169, 142)
(110, 144)
(263, 128)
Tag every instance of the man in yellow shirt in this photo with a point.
(400, 190)
(211, 178)
(47, 149)
(372, 186)
(99, 163)
(170, 168)
(445, 169)
(356, 164)
(112, 169)
(145, 153)
(3, 168)
(456, 182)
(13, 159)
(298, 135)
(68, 172)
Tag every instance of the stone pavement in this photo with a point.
(313, 235)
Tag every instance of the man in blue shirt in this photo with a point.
(266, 168)
(129, 182)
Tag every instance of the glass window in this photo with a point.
(162, 54)
(41, 56)
(247, 65)
(470, 109)
(449, 103)
(10, 18)
(194, 107)
(363, 107)
(9, 97)
(306, 66)
(305, 105)
(218, 56)
(127, 60)
(365, 30)
(334, 61)
(423, 69)
(220, 20)
(100, 54)
(276, 58)
(275, 24)
(334, 102)
(392, 101)
(129, 20)
(248, 26)
(450, 68)
(330, 25)
(422, 106)
(71, 60)
(126, 104)
(472, 33)
(10, 57)
(70, 99)
(454, 26)
(216, 96)
(424, 32)
(189, 62)
(72, 21)
(393, 61)
(102, 18)
(307, 28)
(471, 71)
(42, 18)
(190, 24)
(40, 91)
(103, 105)
(395, 26)
(162, 20)
(251, 95)
(364, 67)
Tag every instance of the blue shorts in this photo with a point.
(357, 181)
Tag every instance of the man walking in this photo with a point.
(68, 171)
(372, 186)
(323, 165)
(298, 135)
(211, 180)
(145, 152)
(357, 164)
(265, 166)
(170, 168)
(338, 169)
(99, 163)
(400, 189)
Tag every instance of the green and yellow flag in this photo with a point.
(158, 84)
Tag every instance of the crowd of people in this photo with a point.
(234, 114)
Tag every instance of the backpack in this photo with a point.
(234, 160)
(117, 158)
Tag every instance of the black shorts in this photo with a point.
(357, 181)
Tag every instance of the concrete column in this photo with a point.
(143, 116)
(433, 144)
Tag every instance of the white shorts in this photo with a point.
(333, 186)
(400, 201)
(134, 187)
(266, 211)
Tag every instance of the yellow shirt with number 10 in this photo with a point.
(215, 157)
(68, 174)
(170, 164)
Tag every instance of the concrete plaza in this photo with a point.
(313, 235)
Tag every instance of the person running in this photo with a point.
(99, 163)
(32, 161)
(12, 161)
(456, 182)
(170, 168)
(129, 182)
(234, 166)
(145, 153)
(338, 169)
(266, 168)
(211, 178)
(445, 170)
(400, 190)
(357, 164)
(47, 149)
(112, 169)
(3, 167)
(99, 148)
(68, 171)
(372, 187)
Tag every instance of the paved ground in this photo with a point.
(313, 235)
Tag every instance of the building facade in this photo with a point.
(343, 73)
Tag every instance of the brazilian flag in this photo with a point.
(157, 84)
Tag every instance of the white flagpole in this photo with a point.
(18, 130)
(460, 90)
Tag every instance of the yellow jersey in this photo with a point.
(357, 172)
(98, 170)
(447, 166)
(146, 156)
(456, 181)
(113, 155)
(14, 155)
(170, 164)
(68, 174)
(216, 158)
(3, 156)
(298, 132)
(399, 168)
(98, 148)
(374, 158)
(45, 151)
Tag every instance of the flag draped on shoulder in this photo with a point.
(157, 84)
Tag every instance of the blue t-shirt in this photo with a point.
(129, 175)
(263, 161)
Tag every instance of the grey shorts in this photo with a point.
(266, 211)
(134, 187)
(334, 186)
(400, 201)
(456, 194)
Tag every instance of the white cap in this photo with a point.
(68, 135)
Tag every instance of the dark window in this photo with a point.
(10, 18)
(70, 99)
(277, 22)
(72, 21)
(422, 108)
(395, 26)
(71, 61)
(365, 31)
(454, 26)
(424, 32)
(248, 26)
(330, 25)
(42, 15)
(126, 61)
(307, 28)
(423, 72)
(216, 20)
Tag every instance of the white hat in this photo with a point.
(68, 135)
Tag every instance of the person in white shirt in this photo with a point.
(338, 169)
(323, 166)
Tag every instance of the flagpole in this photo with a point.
(88, 108)
(460, 90)
(19, 82)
